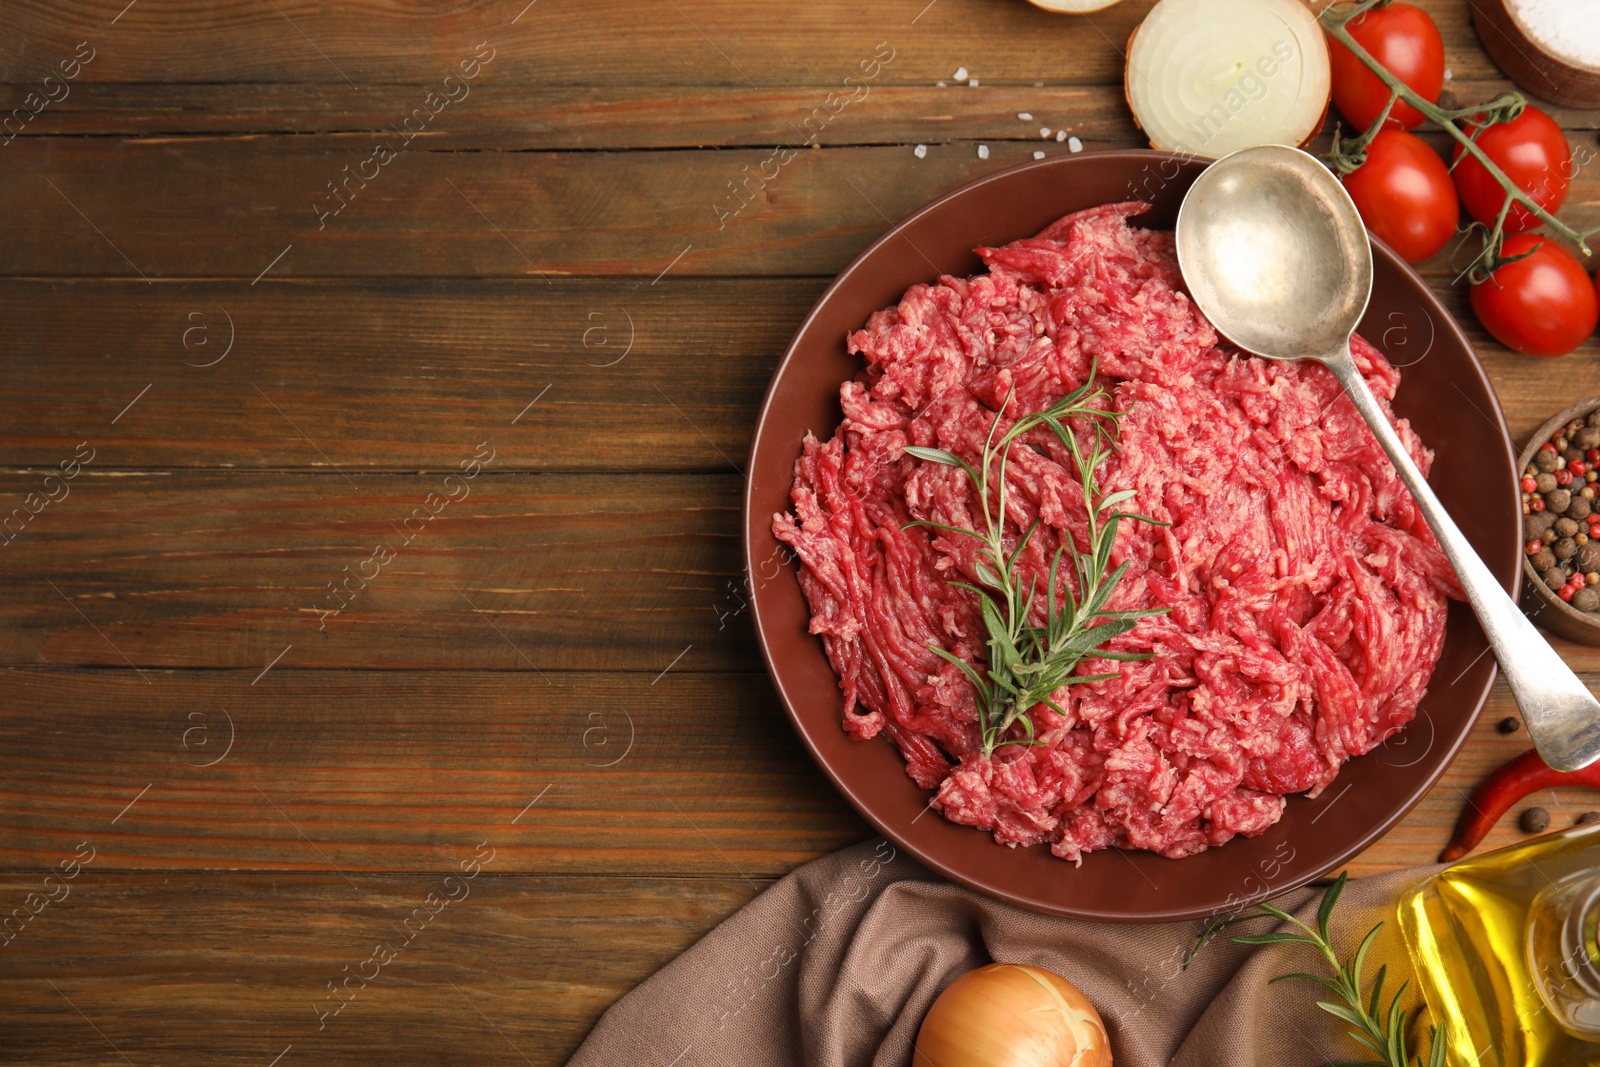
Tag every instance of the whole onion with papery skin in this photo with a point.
(1012, 1015)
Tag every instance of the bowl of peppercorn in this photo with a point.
(1561, 522)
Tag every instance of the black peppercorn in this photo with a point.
(1588, 817)
(1538, 524)
(1565, 527)
(1579, 508)
(1557, 500)
(1587, 558)
(1534, 821)
(1554, 577)
(1564, 549)
(1509, 725)
(1546, 460)
(1542, 560)
(1587, 438)
(1544, 481)
(1586, 599)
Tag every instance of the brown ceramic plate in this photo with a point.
(1445, 395)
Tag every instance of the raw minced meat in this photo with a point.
(1307, 597)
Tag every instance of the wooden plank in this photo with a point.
(517, 572)
(187, 209)
(395, 375)
(600, 773)
(695, 42)
(223, 208)
(692, 774)
(234, 969)
(509, 115)
(411, 358)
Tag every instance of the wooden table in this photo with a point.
(279, 276)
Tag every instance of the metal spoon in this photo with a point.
(1276, 256)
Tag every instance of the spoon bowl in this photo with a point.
(1275, 254)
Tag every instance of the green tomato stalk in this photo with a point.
(1350, 153)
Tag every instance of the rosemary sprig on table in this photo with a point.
(1028, 663)
(1383, 1031)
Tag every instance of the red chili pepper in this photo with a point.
(1500, 792)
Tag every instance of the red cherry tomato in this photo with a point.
(1543, 305)
(1404, 194)
(1405, 40)
(1533, 152)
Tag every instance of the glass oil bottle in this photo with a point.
(1506, 953)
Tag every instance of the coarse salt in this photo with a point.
(1044, 131)
(1025, 116)
(1564, 27)
(920, 151)
(1038, 155)
(960, 74)
(1074, 145)
(1061, 135)
(972, 82)
(940, 84)
(983, 151)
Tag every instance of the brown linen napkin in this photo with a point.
(835, 965)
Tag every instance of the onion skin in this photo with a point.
(1012, 1015)
(1073, 7)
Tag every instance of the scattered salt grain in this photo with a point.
(1449, 74)
(1025, 116)
(983, 151)
(1044, 131)
(920, 151)
(1074, 145)
(940, 84)
(1061, 135)
(1564, 27)
(1038, 155)
(960, 74)
(1038, 85)
(972, 82)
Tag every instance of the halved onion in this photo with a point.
(1012, 1015)
(1208, 77)
(1073, 7)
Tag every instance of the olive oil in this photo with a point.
(1504, 947)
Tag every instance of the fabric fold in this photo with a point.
(836, 964)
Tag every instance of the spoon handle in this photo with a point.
(1563, 717)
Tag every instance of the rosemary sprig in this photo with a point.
(1028, 663)
(1380, 1030)
(1350, 153)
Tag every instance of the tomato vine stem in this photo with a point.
(1348, 154)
